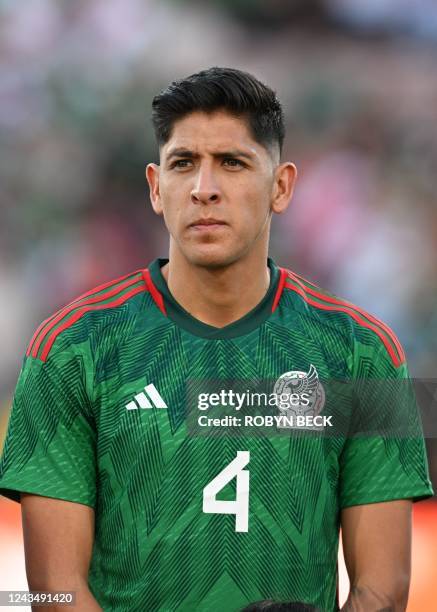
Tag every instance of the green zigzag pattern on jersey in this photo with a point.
(206, 541)
(42, 430)
(307, 322)
(182, 465)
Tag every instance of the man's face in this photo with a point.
(214, 186)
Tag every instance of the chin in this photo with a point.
(211, 257)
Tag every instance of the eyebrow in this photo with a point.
(181, 152)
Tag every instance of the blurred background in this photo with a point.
(358, 83)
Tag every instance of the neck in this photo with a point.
(218, 296)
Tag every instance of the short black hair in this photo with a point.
(269, 605)
(228, 89)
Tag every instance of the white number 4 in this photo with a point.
(239, 506)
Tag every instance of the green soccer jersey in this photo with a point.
(126, 403)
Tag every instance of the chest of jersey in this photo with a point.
(185, 473)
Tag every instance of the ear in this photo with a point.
(152, 176)
(283, 187)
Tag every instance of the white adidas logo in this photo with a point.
(148, 398)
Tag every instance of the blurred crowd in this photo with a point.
(359, 88)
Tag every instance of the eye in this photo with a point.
(232, 162)
(181, 163)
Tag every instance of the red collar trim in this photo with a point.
(156, 295)
(281, 284)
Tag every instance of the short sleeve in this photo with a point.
(384, 456)
(50, 443)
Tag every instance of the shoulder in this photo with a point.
(367, 333)
(75, 321)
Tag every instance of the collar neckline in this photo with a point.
(167, 304)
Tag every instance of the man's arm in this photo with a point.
(58, 541)
(377, 552)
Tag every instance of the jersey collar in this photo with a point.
(166, 303)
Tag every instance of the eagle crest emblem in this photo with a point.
(305, 391)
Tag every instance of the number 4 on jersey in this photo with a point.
(240, 506)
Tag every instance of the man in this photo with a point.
(137, 497)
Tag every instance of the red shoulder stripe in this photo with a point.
(367, 315)
(282, 279)
(156, 295)
(397, 361)
(45, 327)
(82, 296)
(81, 311)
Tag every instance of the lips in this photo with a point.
(210, 221)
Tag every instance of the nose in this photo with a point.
(206, 190)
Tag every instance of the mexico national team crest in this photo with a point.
(300, 394)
